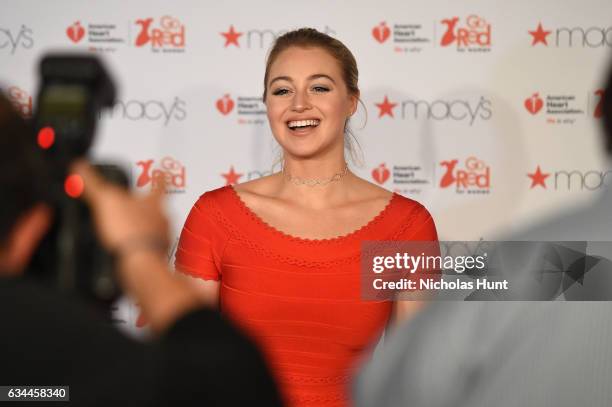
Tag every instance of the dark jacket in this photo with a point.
(47, 339)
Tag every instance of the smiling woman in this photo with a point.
(282, 253)
(308, 105)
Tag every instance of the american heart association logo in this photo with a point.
(75, 32)
(225, 105)
(381, 174)
(381, 32)
(534, 103)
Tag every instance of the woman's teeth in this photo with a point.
(302, 123)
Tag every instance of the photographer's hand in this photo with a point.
(136, 230)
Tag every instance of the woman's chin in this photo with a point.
(301, 154)
(302, 148)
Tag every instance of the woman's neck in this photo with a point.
(315, 184)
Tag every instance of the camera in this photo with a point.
(73, 91)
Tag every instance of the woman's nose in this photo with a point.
(300, 102)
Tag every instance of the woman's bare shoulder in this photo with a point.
(370, 191)
(259, 188)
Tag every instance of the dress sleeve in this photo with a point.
(419, 227)
(422, 226)
(201, 243)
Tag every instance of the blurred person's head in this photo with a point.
(24, 218)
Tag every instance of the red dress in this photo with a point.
(299, 299)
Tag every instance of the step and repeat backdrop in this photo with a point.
(488, 113)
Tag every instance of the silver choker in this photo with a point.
(313, 182)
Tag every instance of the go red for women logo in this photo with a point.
(474, 177)
(166, 36)
(169, 170)
(473, 35)
(21, 100)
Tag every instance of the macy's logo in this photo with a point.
(257, 38)
(571, 180)
(153, 110)
(12, 41)
(439, 109)
(592, 37)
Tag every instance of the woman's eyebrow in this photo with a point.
(321, 75)
(311, 77)
(280, 78)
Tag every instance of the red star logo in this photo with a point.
(386, 107)
(539, 35)
(538, 178)
(231, 177)
(231, 36)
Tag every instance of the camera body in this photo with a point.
(73, 90)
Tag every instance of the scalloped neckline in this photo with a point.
(376, 219)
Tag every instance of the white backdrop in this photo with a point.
(502, 88)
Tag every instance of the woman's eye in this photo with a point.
(320, 89)
(280, 92)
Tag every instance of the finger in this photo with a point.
(158, 189)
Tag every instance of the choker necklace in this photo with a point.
(312, 182)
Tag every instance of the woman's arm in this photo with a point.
(407, 304)
(207, 289)
(404, 310)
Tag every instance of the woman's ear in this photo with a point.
(354, 103)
